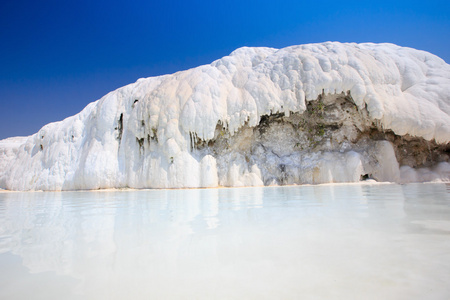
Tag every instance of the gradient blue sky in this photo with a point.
(58, 56)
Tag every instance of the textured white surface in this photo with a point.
(407, 90)
(8, 150)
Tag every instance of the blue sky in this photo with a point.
(58, 56)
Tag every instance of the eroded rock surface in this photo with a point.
(332, 141)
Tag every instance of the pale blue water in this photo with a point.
(379, 241)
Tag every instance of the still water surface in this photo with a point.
(373, 241)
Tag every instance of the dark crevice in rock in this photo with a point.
(140, 141)
(120, 128)
(154, 135)
(365, 177)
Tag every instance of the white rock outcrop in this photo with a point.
(160, 132)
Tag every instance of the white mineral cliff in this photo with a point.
(313, 113)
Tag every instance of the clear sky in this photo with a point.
(58, 56)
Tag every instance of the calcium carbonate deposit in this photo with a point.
(314, 113)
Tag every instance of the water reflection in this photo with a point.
(274, 242)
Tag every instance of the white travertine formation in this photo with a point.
(141, 135)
